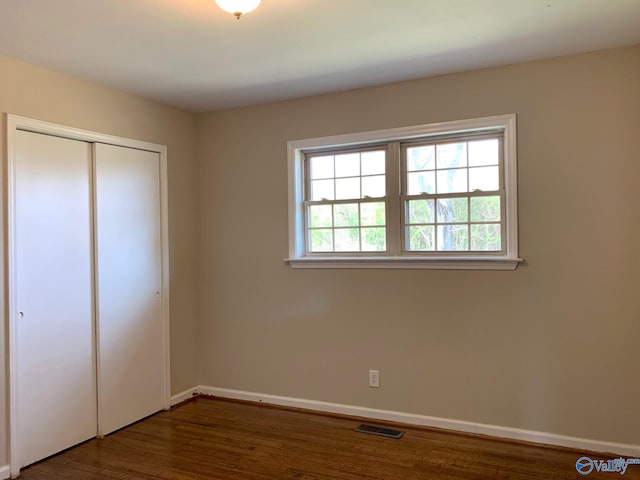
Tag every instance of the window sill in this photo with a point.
(415, 263)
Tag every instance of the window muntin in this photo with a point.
(345, 201)
(452, 197)
(453, 193)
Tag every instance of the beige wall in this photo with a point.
(42, 94)
(552, 346)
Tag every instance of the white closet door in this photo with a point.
(131, 365)
(56, 387)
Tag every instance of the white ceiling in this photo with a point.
(191, 54)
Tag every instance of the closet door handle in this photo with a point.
(20, 314)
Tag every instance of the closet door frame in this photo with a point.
(19, 123)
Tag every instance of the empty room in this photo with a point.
(319, 239)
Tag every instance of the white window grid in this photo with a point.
(398, 222)
(468, 195)
(308, 202)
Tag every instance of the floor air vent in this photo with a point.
(385, 432)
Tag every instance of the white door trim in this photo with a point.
(14, 124)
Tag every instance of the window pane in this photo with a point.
(421, 182)
(421, 239)
(485, 209)
(322, 167)
(373, 163)
(452, 181)
(348, 165)
(421, 158)
(452, 155)
(453, 210)
(420, 211)
(372, 213)
(373, 240)
(486, 179)
(484, 152)
(347, 239)
(321, 240)
(320, 216)
(373, 186)
(453, 237)
(346, 215)
(347, 188)
(322, 190)
(486, 237)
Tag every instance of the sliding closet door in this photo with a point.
(56, 383)
(131, 365)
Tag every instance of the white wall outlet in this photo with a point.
(374, 378)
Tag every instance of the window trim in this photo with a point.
(509, 260)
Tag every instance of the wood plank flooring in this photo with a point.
(217, 439)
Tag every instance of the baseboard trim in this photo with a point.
(185, 395)
(5, 472)
(419, 420)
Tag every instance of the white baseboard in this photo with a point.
(186, 395)
(420, 420)
(5, 472)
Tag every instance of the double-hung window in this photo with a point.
(430, 196)
(345, 205)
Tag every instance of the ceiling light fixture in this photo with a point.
(238, 7)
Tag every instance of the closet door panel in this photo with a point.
(129, 272)
(56, 376)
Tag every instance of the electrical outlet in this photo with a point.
(374, 378)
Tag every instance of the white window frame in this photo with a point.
(506, 260)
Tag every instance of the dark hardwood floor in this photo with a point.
(216, 439)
